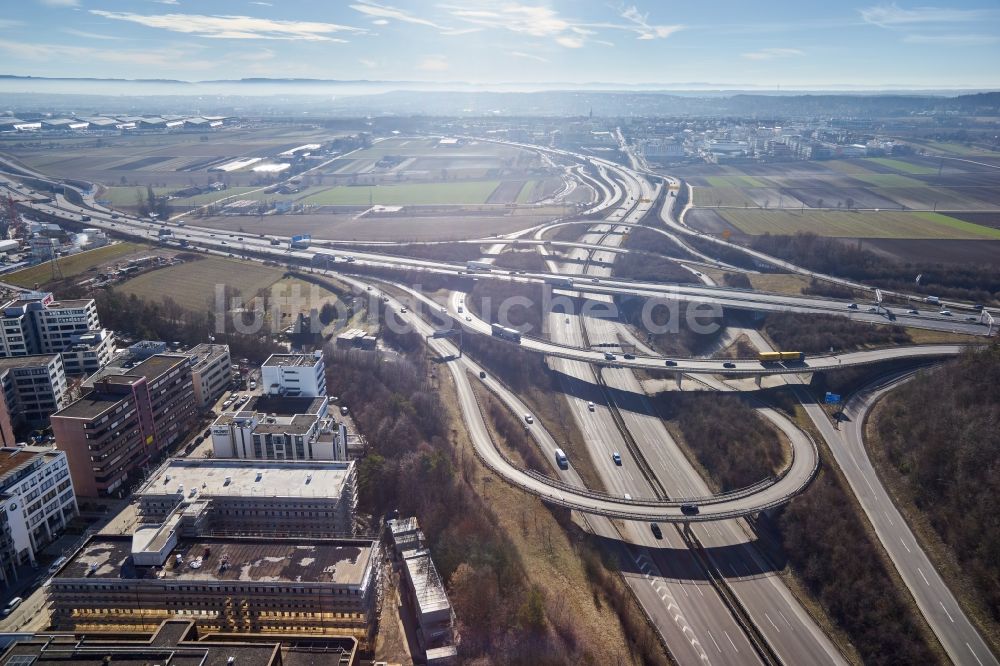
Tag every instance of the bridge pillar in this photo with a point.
(757, 379)
(679, 376)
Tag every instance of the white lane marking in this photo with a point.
(921, 571)
(785, 619)
(888, 518)
(730, 641)
(974, 654)
(904, 544)
(871, 487)
(714, 641)
(946, 612)
(772, 622)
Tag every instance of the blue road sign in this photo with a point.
(832, 398)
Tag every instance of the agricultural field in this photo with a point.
(192, 284)
(426, 225)
(168, 161)
(75, 264)
(913, 183)
(455, 192)
(856, 224)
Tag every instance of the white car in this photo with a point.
(590, 406)
(528, 418)
(468, 317)
(946, 313)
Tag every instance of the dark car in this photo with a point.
(656, 530)
(208, 432)
(670, 364)
(629, 357)
(482, 374)
(729, 364)
(689, 509)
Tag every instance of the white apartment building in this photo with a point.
(278, 427)
(210, 371)
(294, 375)
(36, 502)
(33, 387)
(89, 352)
(36, 323)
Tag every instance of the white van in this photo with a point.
(55, 565)
(561, 459)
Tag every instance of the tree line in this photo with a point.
(940, 434)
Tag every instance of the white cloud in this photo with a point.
(642, 28)
(386, 12)
(167, 2)
(261, 3)
(60, 3)
(370, 64)
(569, 42)
(88, 35)
(953, 39)
(433, 63)
(545, 22)
(894, 15)
(528, 56)
(234, 27)
(381, 22)
(772, 53)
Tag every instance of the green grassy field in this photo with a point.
(904, 167)
(74, 264)
(209, 197)
(853, 224)
(459, 192)
(192, 284)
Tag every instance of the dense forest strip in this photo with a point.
(935, 441)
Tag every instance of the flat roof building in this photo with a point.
(323, 587)
(264, 498)
(210, 372)
(36, 502)
(179, 643)
(36, 323)
(294, 375)
(280, 427)
(33, 388)
(125, 422)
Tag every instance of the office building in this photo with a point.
(323, 587)
(262, 498)
(178, 643)
(36, 502)
(88, 352)
(124, 422)
(280, 427)
(294, 375)
(33, 388)
(210, 372)
(36, 323)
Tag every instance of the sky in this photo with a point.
(773, 44)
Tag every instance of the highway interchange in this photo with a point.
(707, 588)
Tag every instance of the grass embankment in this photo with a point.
(74, 264)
